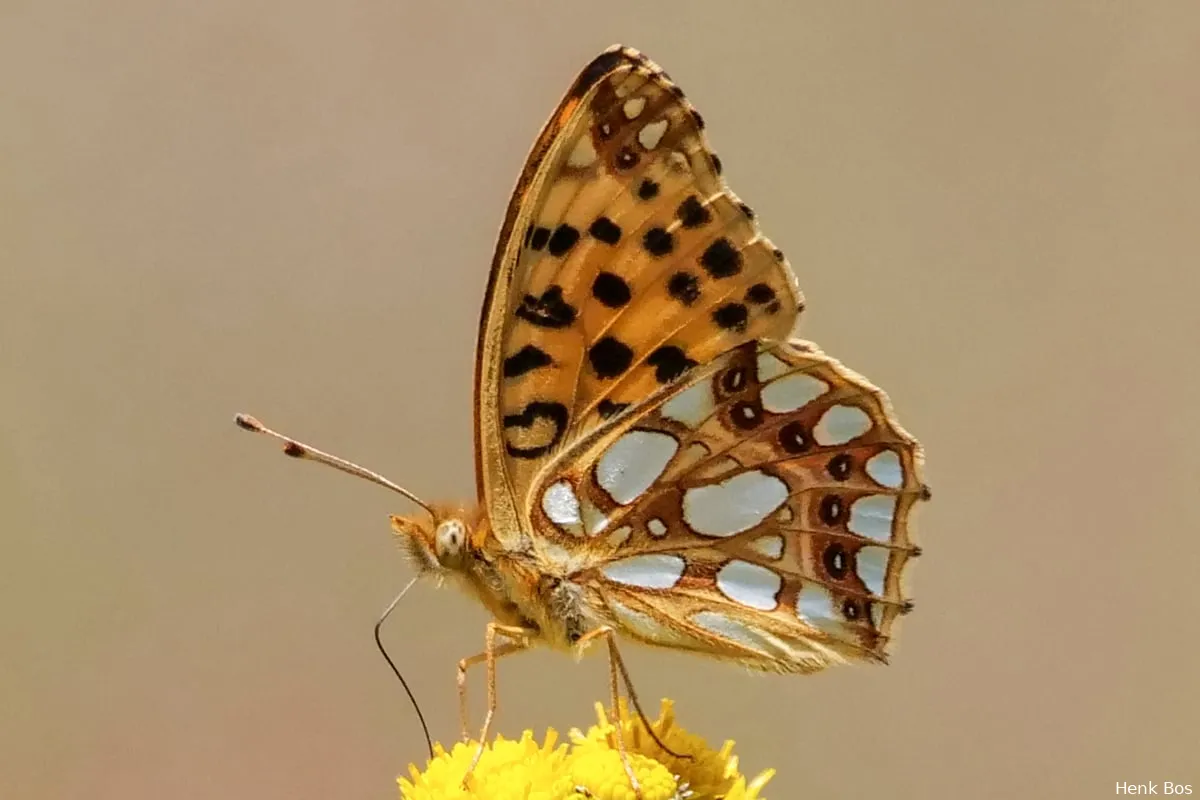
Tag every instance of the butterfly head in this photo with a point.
(435, 544)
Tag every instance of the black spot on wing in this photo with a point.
(605, 230)
(692, 213)
(732, 316)
(610, 357)
(600, 66)
(832, 510)
(627, 159)
(547, 311)
(538, 237)
(527, 359)
(555, 413)
(746, 414)
(611, 290)
(669, 363)
(721, 259)
(733, 380)
(851, 609)
(658, 242)
(836, 561)
(839, 467)
(684, 287)
(793, 438)
(608, 409)
(562, 240)
(760, 294)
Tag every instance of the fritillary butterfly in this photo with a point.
(656, 459)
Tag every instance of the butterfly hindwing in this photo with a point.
(624, 263)
(759, 510)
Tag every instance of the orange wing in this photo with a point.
(624, 262)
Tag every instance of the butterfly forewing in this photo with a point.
(625, 262)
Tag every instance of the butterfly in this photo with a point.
(656, 458)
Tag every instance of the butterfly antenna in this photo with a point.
(297, 449)
(300, 450)
(379, 643)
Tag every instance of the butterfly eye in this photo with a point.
(449, 540)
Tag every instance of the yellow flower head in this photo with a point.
(507, 770)
(591, 768)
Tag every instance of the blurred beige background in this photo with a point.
(289, 208)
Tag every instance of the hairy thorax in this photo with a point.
(519, 589)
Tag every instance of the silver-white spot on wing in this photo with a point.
(656, 527)
(886, 470)
(769, 546)
(564, 561)
(594, 520)
(792, 392)
(750, 585)
(650, 571)
(651, 134)
(871, 566)
(583, 154)
(619, 536)
(872, 516)
(691, 406)
(692, 455)
(647, 626)
(733, 630)
(814, 604)
(840, 424)
(877, 615)
(722, 465)
(734, 505)
(633, 107)
(770, 366)
(562, 506)
(632, 463)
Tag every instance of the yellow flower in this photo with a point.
(707, 774)
(507, 770)
(591, 768)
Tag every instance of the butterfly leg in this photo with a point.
(504, 649)
(616, 670)
(617, 664)
(518, 641)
